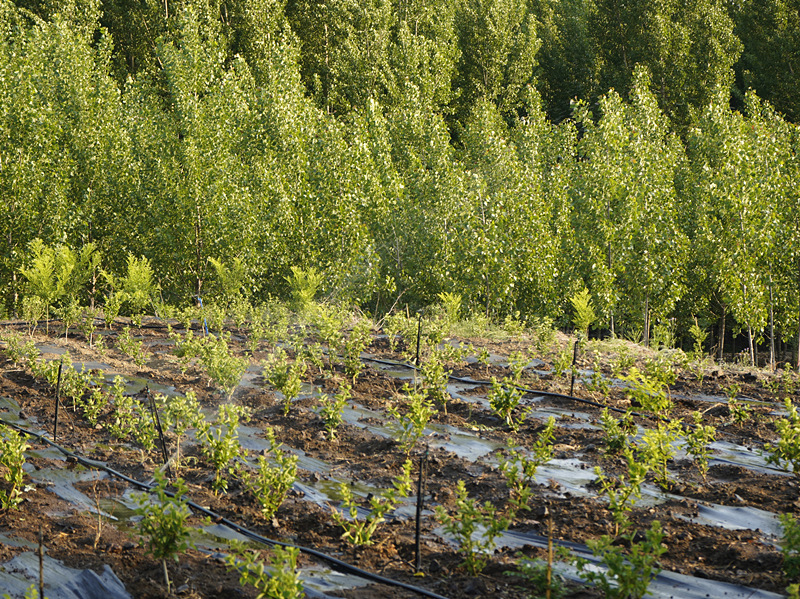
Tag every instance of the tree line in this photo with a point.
(511, 152)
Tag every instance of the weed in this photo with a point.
(359, 532)
(697, 440)
(219, 442)
(164, 522)
(270, 484)
(474, 526)
(12, 460)
(282, 582)
(787, 450)
(411, 424)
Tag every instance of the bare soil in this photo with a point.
(81, 540)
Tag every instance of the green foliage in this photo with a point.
(697, 440)
(657, 447)
(181, 413)
(131, 347)
(583, 311)
(12, 459)
(435, 378)
(360, 532)
(304, 284)
(30, 593)
(519, 469)
(623, 490)
(331, 410)
(474, 526)
(214, 356)
(164, 521)
(285, 377)
(617, 431)
(504, 399)
(270, 484)
(281, 581)
(136, 289)
(648, 392)
(130, 417)
(787, 451)
(628, 574)
(790, 546)
(411, 423)
(355, 343)
(219, 443)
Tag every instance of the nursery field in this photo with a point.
(317, 431)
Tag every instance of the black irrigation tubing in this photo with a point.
(336, 563)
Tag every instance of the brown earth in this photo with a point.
(81, 540)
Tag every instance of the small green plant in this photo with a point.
(331, 410)
(33, 310)
(474, 526)
(12, 460)
(562, 363)
(164, 522)
(355, 343)
(30, 593)
(279, 582)
(131, 418)
(214, 356)
(622, 491)
(627, 575)
(360, 532)
(88, 325)
(131, 347)
(284, 376)
(435, 377)
(304, 285)
(451, 303)
(520, 470)
(504, 399)
(617, 431)
(787, 451)
(657, 448)
(648, 391)
(698, 337)
(740, 411)
(136, 289)
(790, 546)
(92, 404)
(270, 484)
(410, 425)
(597, 382)
(697, 441)
(21, 354)
(181, 413)
(219, 442)
(583, 312)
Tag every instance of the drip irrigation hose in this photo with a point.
(335, 563)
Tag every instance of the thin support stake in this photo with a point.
(574, 361)
(58, 398)
(41, 563)
(423, 461)
(157, 420)
(419, 335)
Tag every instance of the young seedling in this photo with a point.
(131, 347)
(697, 441)
(354, 345)
(181, 412)
(164, 522)
(504, 399)
(285, 377)
(474, 526)
(360, 532)
(657, 448)
(12, 460)
(628, 575)
(280, 581)
(331, 410)
(411, 424)
(219, 442)
(787, 451)
(790, 546)
(520, 470)
(435, 377)
(617, 431)
(271, 483)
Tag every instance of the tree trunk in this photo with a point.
(721, 336)
(750, 346)
(771, 331)
(646, 331)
